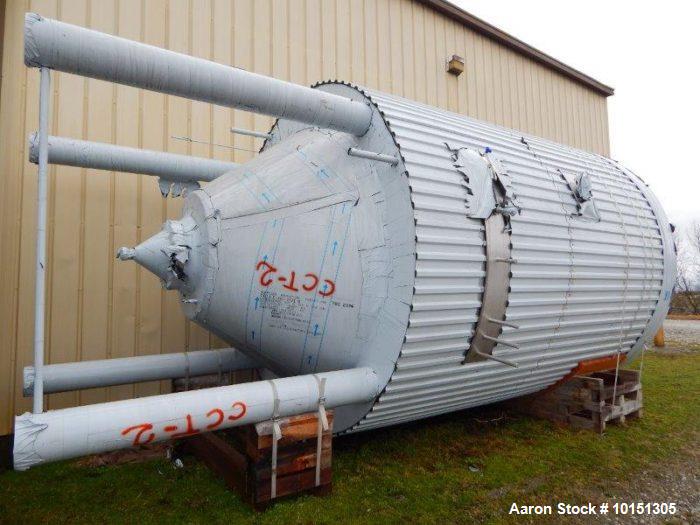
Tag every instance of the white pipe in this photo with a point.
(81, 51)
(40, 284)
(91, 429)
(371, 155)
(100, 156)
(251, 133)
(65, 377)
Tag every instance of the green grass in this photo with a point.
(447, 469)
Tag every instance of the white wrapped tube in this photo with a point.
(72, 49)
(101, 156)
(66, 377)
(91, 429)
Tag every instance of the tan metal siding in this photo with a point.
(99, 308)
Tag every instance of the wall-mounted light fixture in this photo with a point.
(455, 65)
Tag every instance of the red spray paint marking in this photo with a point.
(290, 286)
(144, 435)
(314, 282)
(145, 427)
(242, 410)
(220, 417)
(310, 283)
(190, 430)
(263, 277)
(331, 288)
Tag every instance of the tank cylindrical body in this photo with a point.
(484, 265)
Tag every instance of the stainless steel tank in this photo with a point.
(483, 264)
(384, 258)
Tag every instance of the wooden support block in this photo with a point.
(242, 456)
(221, 458)
(587, 401)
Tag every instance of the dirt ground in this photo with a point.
(676, 481)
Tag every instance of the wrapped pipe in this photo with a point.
(91, 429)
(71, 49)
(100, 156)
(65, 377)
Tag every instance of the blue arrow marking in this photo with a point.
(325, 287)
(315, 329)
(335, 245)
(309, 360)
(253, 333)
(265, 257)
(256, 303)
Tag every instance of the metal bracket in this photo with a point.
(488, 184)
(581, 189)
(507, 202)
(495, 296)
(176, 188)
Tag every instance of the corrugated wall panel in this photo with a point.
(100, 308)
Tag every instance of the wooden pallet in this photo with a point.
(587, 401)
(243, 458)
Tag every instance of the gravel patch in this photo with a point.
(682, 331)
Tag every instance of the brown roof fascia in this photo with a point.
(486, 29)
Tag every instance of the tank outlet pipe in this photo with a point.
(72, 49)
(101, 156)
(66, 377)
(71, 432)
(371, 155)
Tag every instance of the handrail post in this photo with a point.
(40, 285)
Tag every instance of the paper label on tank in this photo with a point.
(291, 313)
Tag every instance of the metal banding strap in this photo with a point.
(322, 424)
(276, 436)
